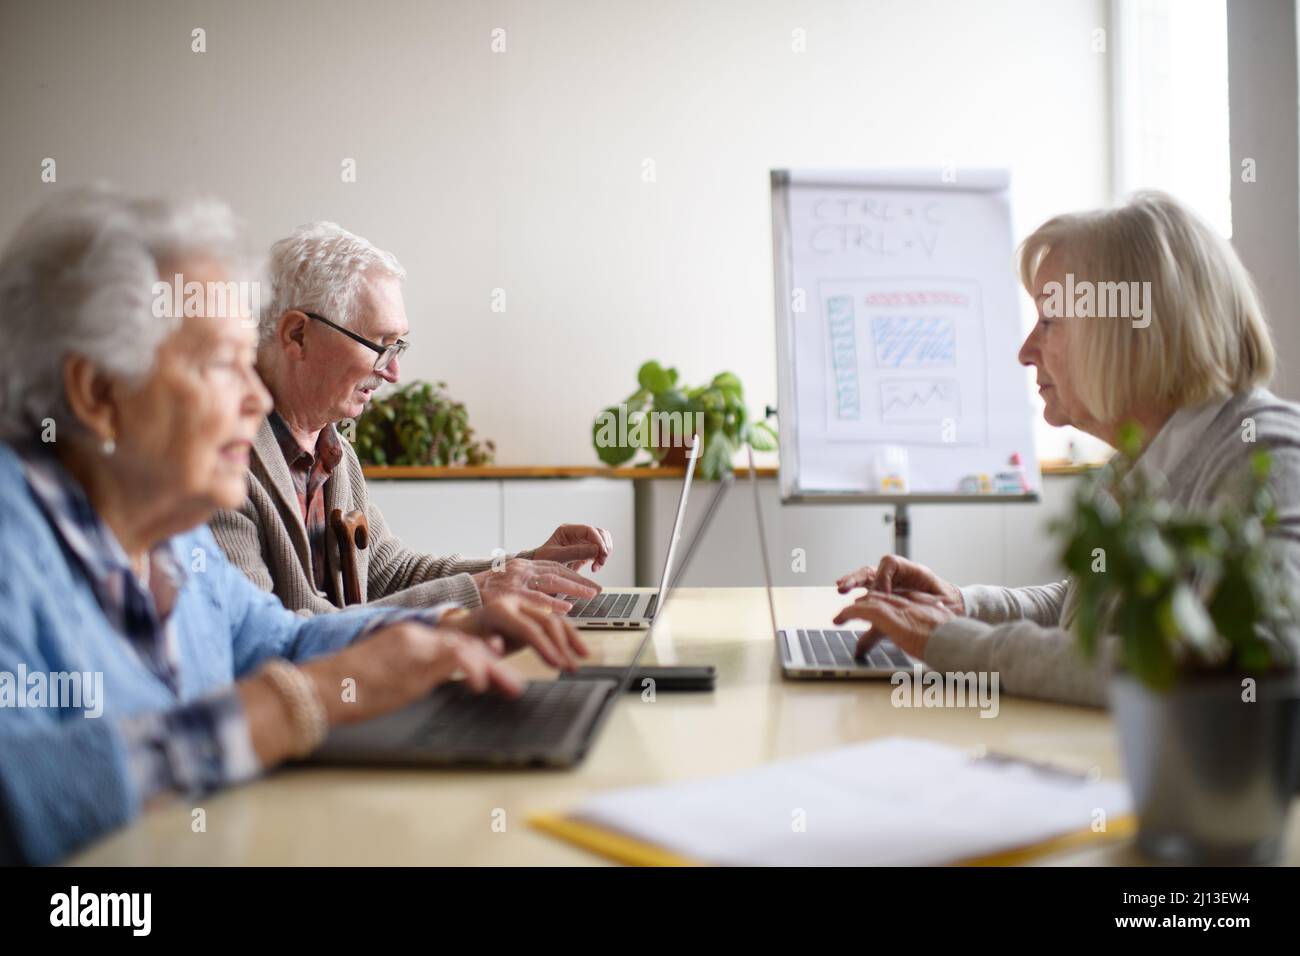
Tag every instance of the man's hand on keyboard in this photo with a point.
(538, 580)
(907, 621)
(520, 621)
(576, 544)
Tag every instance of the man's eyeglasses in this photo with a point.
(387, 354)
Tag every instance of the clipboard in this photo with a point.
(630, 851)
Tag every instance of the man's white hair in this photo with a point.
(78, 278)
(323, 268)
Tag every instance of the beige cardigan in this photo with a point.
(267, 540)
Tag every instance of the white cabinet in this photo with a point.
(533, 509)
(813, 544)
(442, 517)
(809, 544)
(806, 543)
(1030, 553)
(476, 516)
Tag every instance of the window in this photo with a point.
(1169, 109)
(1170, 103)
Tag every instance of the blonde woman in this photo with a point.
(1189, 362)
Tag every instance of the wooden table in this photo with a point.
(316, 816)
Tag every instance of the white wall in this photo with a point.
(523, 170)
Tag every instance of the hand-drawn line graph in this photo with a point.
(903, 401)
(914, 341)
(842, 339)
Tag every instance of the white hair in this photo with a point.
(322, 268)
(78, 277)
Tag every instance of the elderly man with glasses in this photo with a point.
(333, 333)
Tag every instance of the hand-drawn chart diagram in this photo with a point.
(919, 400)
(906, 361)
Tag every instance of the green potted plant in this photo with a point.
(661, 416)
(1193, 613)
(418, 424)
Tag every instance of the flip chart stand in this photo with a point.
(901, 516)
(902, 531)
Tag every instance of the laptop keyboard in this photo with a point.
(541, 717)
(835, 649)
(615, 604)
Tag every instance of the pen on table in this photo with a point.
(1051, 770)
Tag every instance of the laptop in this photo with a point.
(552, 724)
(636, 609)
(818, 652)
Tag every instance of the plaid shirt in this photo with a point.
(196, 746)
(310, 472)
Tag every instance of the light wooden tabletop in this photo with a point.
(312, 816)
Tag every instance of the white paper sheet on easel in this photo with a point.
(896, 801)
(903, 331)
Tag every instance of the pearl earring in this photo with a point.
(109, 446)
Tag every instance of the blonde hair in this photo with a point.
(1207, 336)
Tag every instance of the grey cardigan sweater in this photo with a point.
(267, 540)
(1023, 633)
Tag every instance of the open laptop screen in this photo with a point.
(669, 587)
(692, 456)
(762, 538)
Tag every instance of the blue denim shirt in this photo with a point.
(69, 775)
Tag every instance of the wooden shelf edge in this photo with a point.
(426, 472)
(387, 472)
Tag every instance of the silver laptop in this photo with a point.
(552, 724)
(816, 651)
(637, 608)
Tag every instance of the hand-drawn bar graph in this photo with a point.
(842, 337)
(904, 361)
(914, 341)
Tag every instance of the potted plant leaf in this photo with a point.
(661, 416)
(418, 424)
(1192, 611)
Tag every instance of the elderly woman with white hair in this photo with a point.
(1190, 372)
(135, 662)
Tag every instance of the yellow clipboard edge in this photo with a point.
(1117, 829)
(607, 843)
(632, 852)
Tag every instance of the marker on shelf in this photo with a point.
(1012, 482)
(1018, 463)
